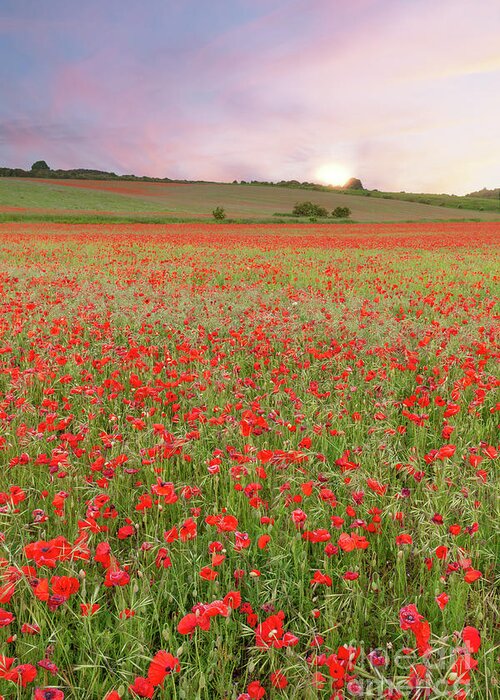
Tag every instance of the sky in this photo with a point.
(404, 94)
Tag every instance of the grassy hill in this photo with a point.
(470, 202)
(83, 200)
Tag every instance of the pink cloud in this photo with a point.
(402, 93)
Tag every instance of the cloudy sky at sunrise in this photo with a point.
(404, 94)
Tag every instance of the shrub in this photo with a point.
(341, 213)
(219, 213)
(309, 209)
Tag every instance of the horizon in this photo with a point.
(237, 181)
(400, 96)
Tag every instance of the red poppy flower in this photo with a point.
(472, 639)
(162, 665)
(263, 541)
(404, 539)
(64, 586)
(6, 592)
(188, 530)
(319, 535)
(446, 452)
(188, 624)
(6, 617)
(441, 552)
(142, 688)
(163, 560)
(299, 518)
(320, 578)
(442, 600)
(472, 575)
(22, 675)
(411, 619)
(460, 671)
(336, 671)
(269, 633)
(350, 575)
(208, 574)
(103, 554)
(49, 666)
(165, 489)
(116, 577)
(89, 609)
(125, 532)
(279, 680)
(30, 629)
(232, 599)
(255, 690)
(48, 694)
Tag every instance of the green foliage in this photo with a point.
(309, 209)
(486, 193)
(40, 165)
(219, 213)
(341, 213)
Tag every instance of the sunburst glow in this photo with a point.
(333, 174)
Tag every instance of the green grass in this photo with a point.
(168, 202)
(52, 195)
(441, 200)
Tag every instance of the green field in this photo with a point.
(57, 196)
(81, 200)
(441, 200)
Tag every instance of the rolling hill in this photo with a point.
(29, 198)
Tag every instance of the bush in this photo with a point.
(219, 213)
(341, 213)
(309, 209)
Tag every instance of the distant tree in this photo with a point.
(219, 213)
(309, 209)
(354, 183)
(341, 213)
(40, 165)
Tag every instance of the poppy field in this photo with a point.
(246, 462)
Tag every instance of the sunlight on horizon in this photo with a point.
(333, 174)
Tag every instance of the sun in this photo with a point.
(333, 174)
